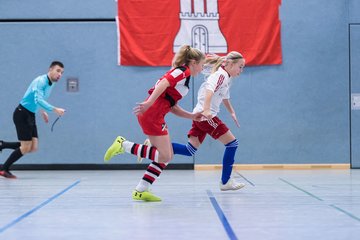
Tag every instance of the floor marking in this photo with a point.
(330, 205)
(298, 188)
(345, 212)
(221, 216)
(245, 178)
(22, 217)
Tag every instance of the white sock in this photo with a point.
(142, 186)
(127, 145)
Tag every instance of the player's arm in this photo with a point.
(228, 106)
(207, 101)
(212, 84)
(159, 89)
(180, 112)
(231, 110)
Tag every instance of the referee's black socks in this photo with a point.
(10, 145)
(14, 156)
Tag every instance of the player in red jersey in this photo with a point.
(214, 91)
(163, 98)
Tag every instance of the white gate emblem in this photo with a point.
(199, 26)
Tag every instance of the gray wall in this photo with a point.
(297, 112)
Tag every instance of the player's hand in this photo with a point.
(59, 111)
(197, 116)
(141, 107)
(45, 116)
(207, 113)
(233, 115)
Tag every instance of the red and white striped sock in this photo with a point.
(141, 150)
(151, 174)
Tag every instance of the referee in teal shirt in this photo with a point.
(34, 98)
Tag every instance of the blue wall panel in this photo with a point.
(50, 9)
(354, 6)
(288, 113)
(98, 112)
(355, 89)
(297, 112)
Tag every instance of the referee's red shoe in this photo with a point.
(7, 174)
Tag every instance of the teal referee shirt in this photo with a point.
(37, 94)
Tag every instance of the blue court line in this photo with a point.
(22, 217)
(311, 195)
(330, 205)
(343, 211)
(221, 216)
(245, 178)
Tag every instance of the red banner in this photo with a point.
(151, 31)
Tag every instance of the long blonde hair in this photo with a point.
(217, 61)
(185, 55)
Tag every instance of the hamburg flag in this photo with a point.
(151, 31)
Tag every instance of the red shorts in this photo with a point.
(214, 127)
(152, 121)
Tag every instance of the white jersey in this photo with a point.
(219, 83)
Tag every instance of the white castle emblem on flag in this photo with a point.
(199, 26)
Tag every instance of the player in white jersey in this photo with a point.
(212, 93)
(219, 84)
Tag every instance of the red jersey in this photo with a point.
(152, 121)
(179, 84)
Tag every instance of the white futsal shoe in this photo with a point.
(231, 185)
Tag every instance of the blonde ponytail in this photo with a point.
(218, 61)
(185, 55)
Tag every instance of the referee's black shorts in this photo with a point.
(25, 124)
